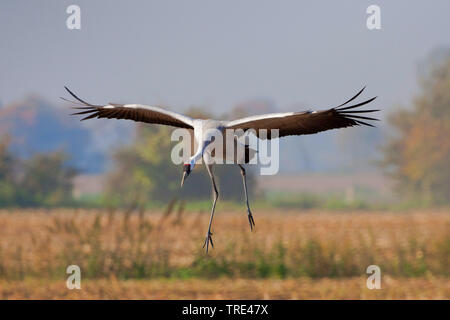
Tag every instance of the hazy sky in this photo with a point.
(217, 53)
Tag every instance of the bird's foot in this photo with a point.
(250, 219)
(208, 240)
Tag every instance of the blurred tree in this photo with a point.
(418, 155)
(144, 171)
(46, 180)
(7, 178)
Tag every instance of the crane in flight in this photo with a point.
(287, 123)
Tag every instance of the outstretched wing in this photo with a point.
(307, 122)
(135, 112)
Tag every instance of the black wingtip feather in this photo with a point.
(90, 116)
(82, 112)
(354, 115)
(360, 117)
(365, 123)
(74, 102)
(351, 99)
(357, 105)
(362, 111)
(82, 101)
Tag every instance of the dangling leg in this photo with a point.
(249, 212)
(216, 195)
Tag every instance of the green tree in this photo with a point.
(7, 178)
(143, 171)
(418, 155)
(46, 180)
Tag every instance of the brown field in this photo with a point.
(290, 255)
(302, 288)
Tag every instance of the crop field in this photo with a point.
(158, 255)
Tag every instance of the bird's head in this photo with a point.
(187, 168)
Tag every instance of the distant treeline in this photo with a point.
(42, 180)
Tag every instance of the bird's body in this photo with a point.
(289, 123)
(204, 131)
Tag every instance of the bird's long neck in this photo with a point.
(202, 140)
(198, 154)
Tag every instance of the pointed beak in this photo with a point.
(182, 179)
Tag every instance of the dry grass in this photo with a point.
(303, 288)
(290, 255)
